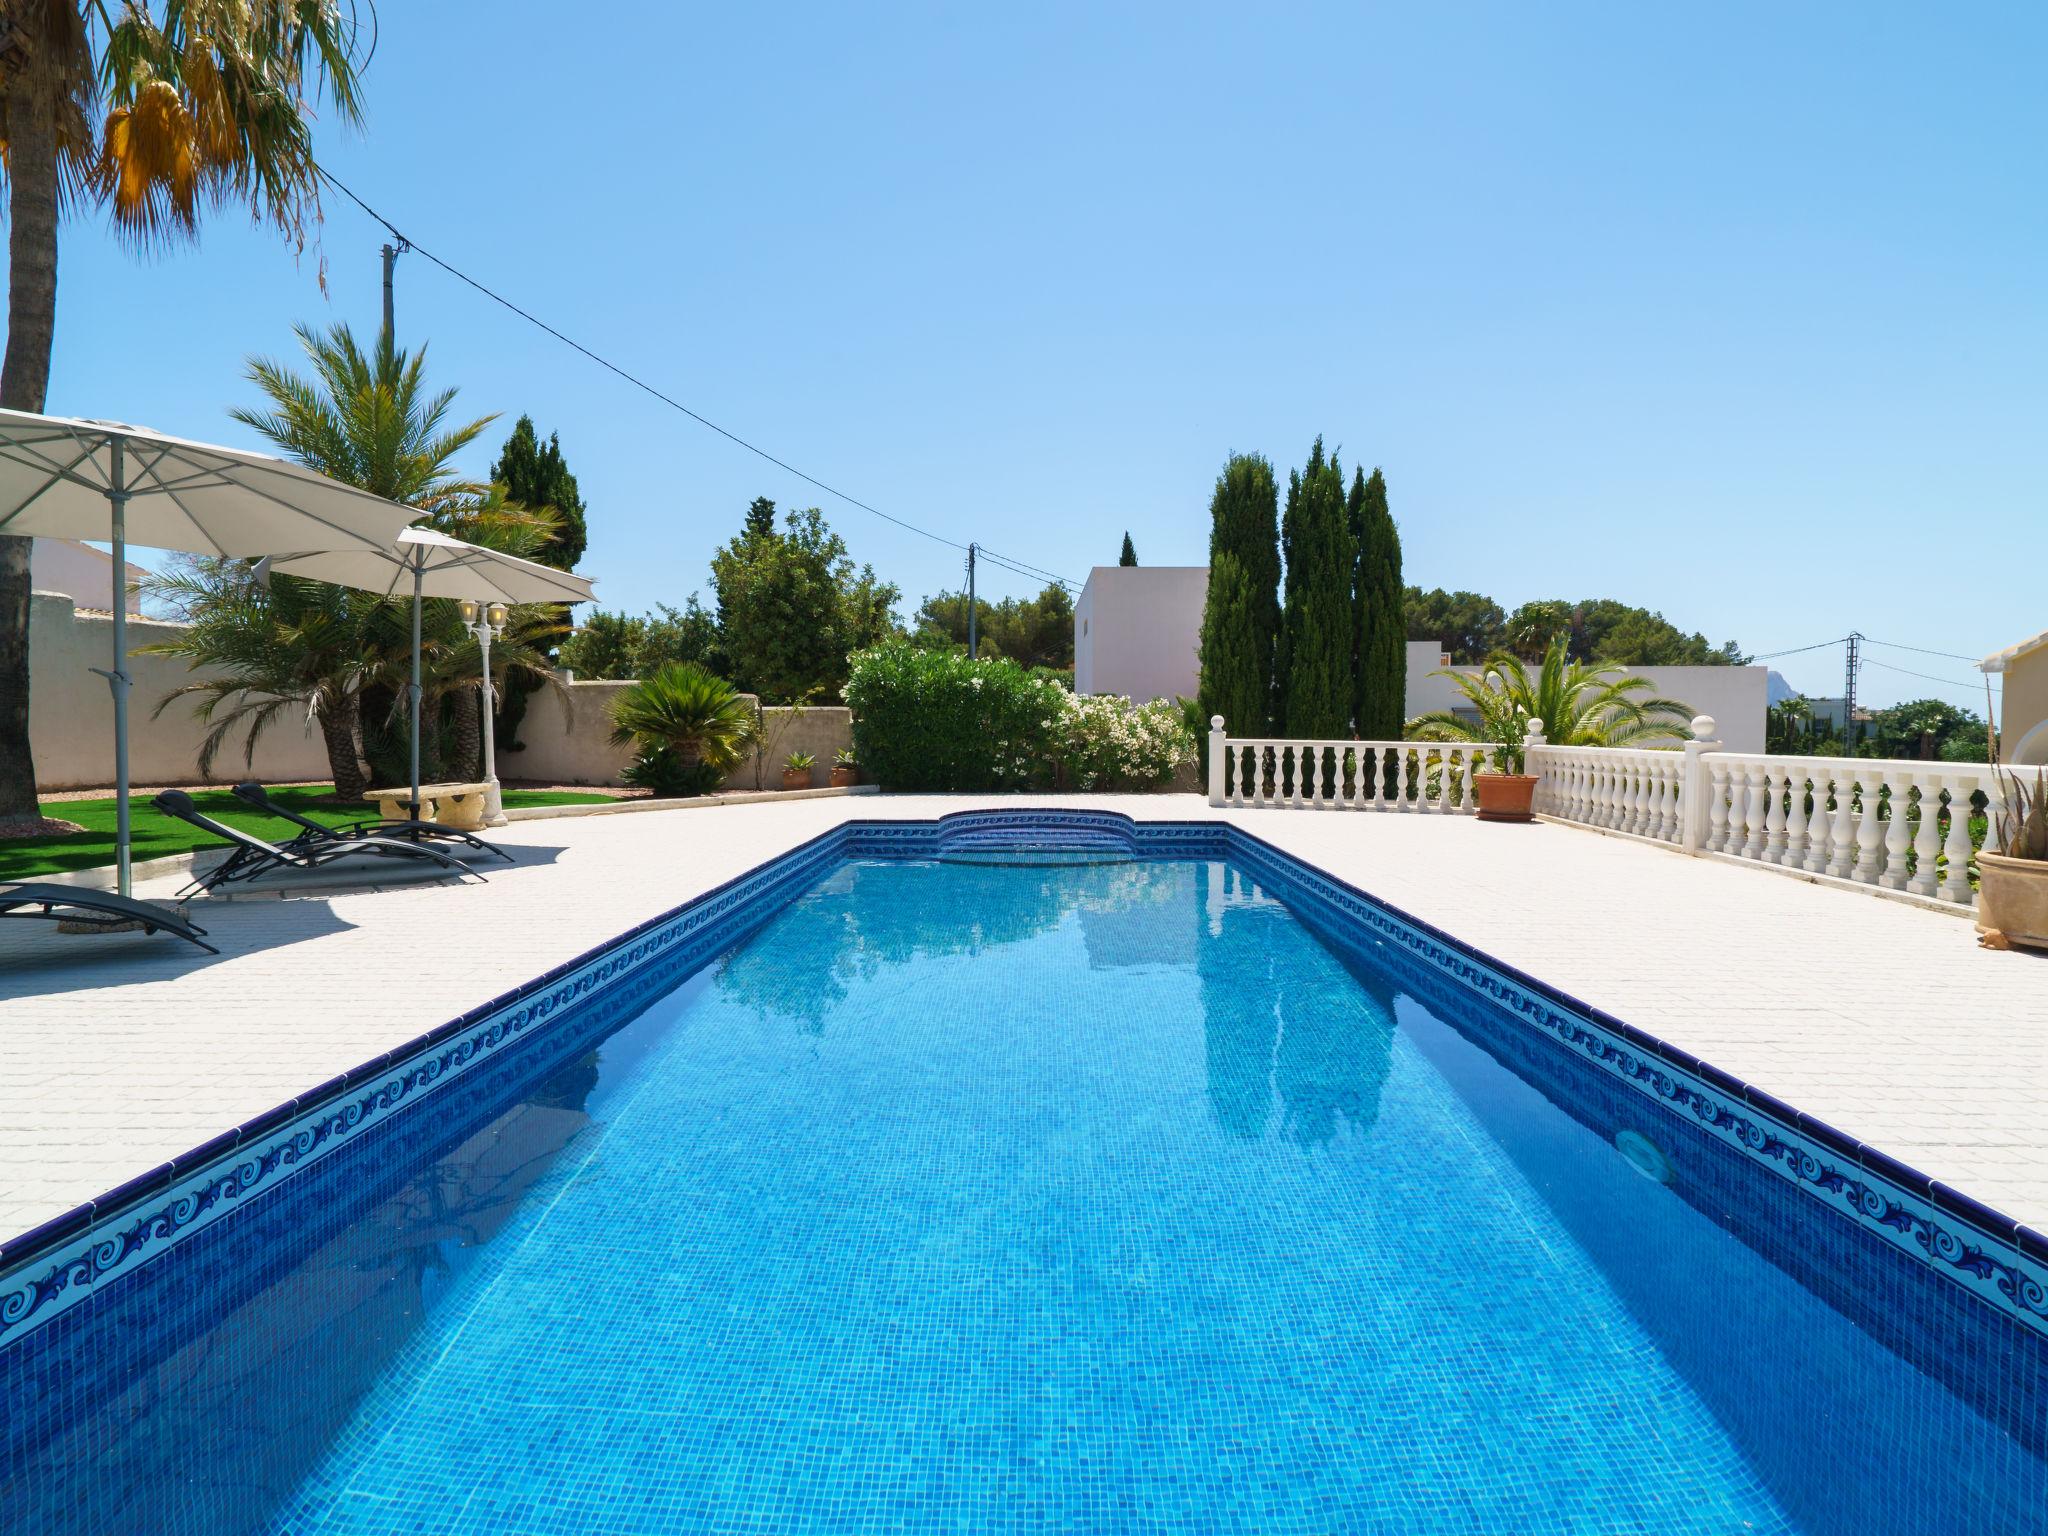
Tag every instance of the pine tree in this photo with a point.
(1380, 702)
(1244, 579)
(534, 474)
(1130, 554)
(1317, 625)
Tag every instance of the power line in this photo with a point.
(407, 243)
(1797, 650)
(1929, 677)
(1923, 650)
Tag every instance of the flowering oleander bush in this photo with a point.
(1111, 743)
(934, 720)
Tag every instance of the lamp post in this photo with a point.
(485, 621)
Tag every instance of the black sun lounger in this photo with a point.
(311, 832)
(252, 856)
(76, 904)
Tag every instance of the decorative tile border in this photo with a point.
(1985, 1252)
(50, 1269)
(46, 1271)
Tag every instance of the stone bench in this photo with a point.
(453, 805)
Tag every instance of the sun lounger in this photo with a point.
(251, 856)
(78, 904)
(310, 831)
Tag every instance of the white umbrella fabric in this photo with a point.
(64, 477)
(432, 564)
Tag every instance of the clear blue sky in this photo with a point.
(1734, 311)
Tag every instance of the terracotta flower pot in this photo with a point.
(1505, 796)
(2012, 900)
(796, 778)
(845, 778)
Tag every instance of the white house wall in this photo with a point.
(1138, 629)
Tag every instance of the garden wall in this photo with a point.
(567, 740)
(71, 713)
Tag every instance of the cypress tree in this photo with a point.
(1130, 554)
(535, 474)
(1237, 677)
(1380, 703)
(1318, 624)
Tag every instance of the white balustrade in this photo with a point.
(1637, 790)
(1426, 777)
(1885, 822)
(1892, 824)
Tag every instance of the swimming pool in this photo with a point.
(918, 1183)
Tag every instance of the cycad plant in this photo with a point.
(690, 726)
(1579, 705)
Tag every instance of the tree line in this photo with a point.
(789, 607)
(1303, 629)
(1471, 627)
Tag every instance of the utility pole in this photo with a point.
(390, 266)
(973, 633)
(1849, 688)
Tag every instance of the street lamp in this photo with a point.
(486, 621)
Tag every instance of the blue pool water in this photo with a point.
(971, 1197)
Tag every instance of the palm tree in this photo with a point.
(1579, 705)
(210, 102)
(1789, 724)
(298, 649)
(366, 418)
(689, 715)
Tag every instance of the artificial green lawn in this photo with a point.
(155, 835)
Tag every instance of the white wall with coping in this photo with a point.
(1734, 696)
(71, 713)
(1138, 631)
(567, 735)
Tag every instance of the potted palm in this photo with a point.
(796, 770)
(690, 728)
(1572, 704)
(2012, 880)
(845, 770)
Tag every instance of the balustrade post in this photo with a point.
(1696, 795)
(1926, 836)
(1217, 759)
(1869, 859)
(1774, 815)
(1842, 838)
(1955, 879)
(1898, 835)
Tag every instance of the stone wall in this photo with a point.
(71, 713)
(567, 730)
(567, 737)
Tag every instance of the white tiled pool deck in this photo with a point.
(119, 1052)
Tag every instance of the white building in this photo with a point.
(1138, 631)
(82, 573)
(1734, 696)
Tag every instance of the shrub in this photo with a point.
(1111, 743)
(934, 720)
(690, 727)
(659, 771)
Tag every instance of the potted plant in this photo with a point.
(845, 770)
(2012, 878)
(1583, 707)
(796, 770)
